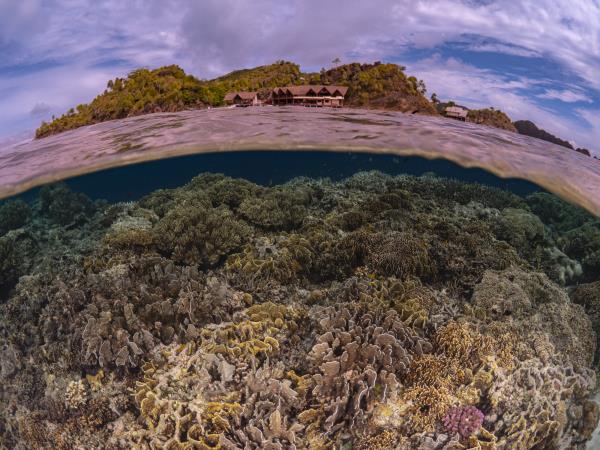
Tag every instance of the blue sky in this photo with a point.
(534, 60)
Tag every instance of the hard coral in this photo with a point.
(457, 341)
(346, 314)
(464, 420)
(530, 300)
(197, 235)
(399, 254)
(63, 206)
(360, 359)
(534, 402)
(280, 260)
(16, 252)
(277, 209)
(13, 215)
(426, 407)
(557, 213)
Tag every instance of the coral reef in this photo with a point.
(63, 206)
(192, 234)
(377, 312)
(13, 215)
(277, 209)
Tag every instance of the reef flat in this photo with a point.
(376, 312)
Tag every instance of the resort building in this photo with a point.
(242, 98)
(457, 112)
(309, 95)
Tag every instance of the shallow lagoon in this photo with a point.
(297, 300)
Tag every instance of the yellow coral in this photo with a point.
(427, 406)
(257, 336)
(95, 381)
(435, 371)
(483, 441)
(382, 441)
(471, 348)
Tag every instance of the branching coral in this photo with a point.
(278, 209)
(400, 254)
(557, 213)
(197, 235)
(426, 407)
(16, 252)
(458, 342)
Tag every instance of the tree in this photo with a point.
(336, 62)
(434, 98)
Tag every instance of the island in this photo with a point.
(355, 85)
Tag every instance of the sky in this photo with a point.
(536, 60)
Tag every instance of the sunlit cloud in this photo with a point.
(566, 96)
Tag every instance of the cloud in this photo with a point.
(497, 47)
(40, 109)
(566, 96)
(453, 79)
(592, 119)
(227, 34)
(20, 19)
(60, 53)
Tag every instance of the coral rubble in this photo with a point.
(377, 312)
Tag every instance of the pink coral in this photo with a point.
(464, 420)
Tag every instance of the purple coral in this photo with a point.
(464, 420)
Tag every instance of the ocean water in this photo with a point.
(298, 300)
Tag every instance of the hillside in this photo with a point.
(487, 116)
(380, 86)
(171, 89)
(492, 117)
(261, 79)
(144, 91)
(528, 128)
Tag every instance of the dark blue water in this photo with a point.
(267, 168)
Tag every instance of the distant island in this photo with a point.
(529, 128)
(377, 85)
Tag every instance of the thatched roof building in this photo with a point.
(309, 95)
(242, 98)
(456, 112)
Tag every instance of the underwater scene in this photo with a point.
(297, 300)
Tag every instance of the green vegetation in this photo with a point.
(492, 117)
(261, 79)
(143, 91)
(380, 86)
(169, 88)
